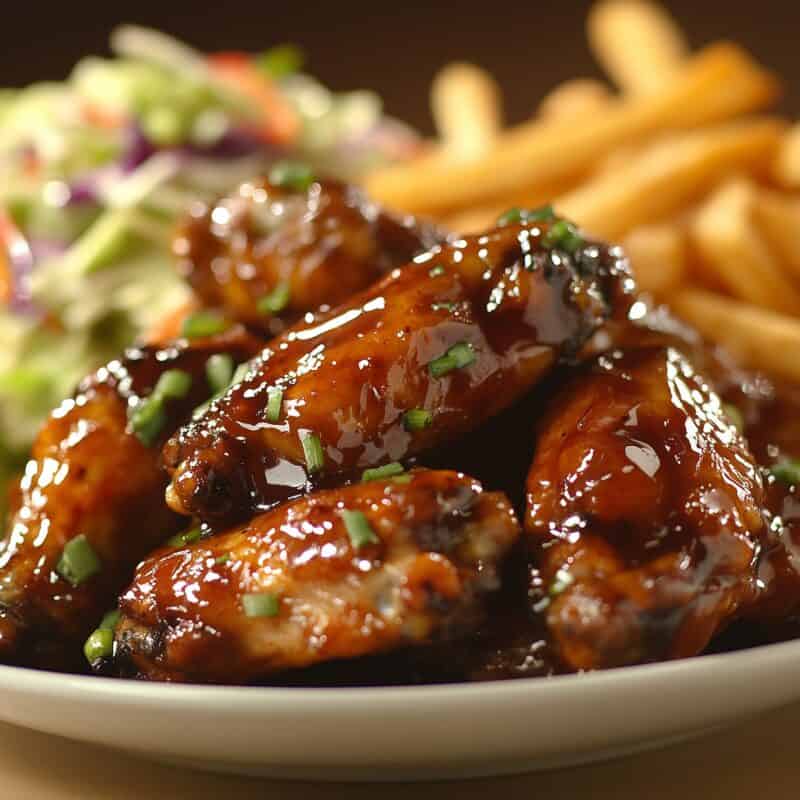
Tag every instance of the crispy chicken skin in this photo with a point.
(454, 338)
(90, 476)
(644, 513)
(320, 244)
(434, 547)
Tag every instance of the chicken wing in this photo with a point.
(337, 574)
(424, 356)
(644, 513)
(270, 253)
(90, 503)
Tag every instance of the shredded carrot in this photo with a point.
(169, 326)
(101, 117)
(7, 233)
(280, 124)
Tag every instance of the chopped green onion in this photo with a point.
(416, 419)
(358, 529)
(436, 271)
(443, 306)
(274, 403)
(219, 371)
(313, 452)
(276, 300)
(261, 605)
(280, 61)
(185, 537)
(110, 620)
(241, 373)
(541, 214)
(223, 559)
(562, 582)
(99, 645)
(202, 324)
(291, 175)
(386, 471)
(173, 383)
(734, 415)
(563, 235)
(148, 420)
(787, 472)
(78, 561)
(458, 356)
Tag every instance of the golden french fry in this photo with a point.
(734, 252)
(787, 163)
(720, 82)
(658, 256)
(467, 109)
(669, 175)
(637, 43)
(757, 337)
(778, 218)
(575, 98)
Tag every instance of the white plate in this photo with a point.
(407, 733)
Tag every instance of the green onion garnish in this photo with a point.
(185, 537)
(241, 373)
(416, 419)
(276, 300)
(787, 472)
(78, 561)
(202, 324)
(223, 559)
(561, 583)
(148, 420)
(173, 383)
(563, 235)
(280, 61)
(313, 452)
(274, 404)
(734, 415)
(358, 529)
(458, 356)
(517, 215)
(443, 306)
(436, 271)
(291, 175)
(99, 645)
(219, 372)
(261, 605)
(386, 471)
(110, 620)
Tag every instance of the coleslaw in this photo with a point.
(95, 171)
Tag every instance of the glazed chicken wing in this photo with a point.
(644, 513)
(422, 357)
(90, 504)
(337, 574)
(270, 253)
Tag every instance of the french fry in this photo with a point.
(467, 109)
(669, 175)
(637, 43)
(658, 256)
(778, 218)
(732, 249)
(575, 98)
(720, 82)
(756, 336)
(787, 164)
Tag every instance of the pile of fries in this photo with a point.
(669, 159)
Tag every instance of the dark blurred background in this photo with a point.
(393, 47)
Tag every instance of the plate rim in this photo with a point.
(30, 680)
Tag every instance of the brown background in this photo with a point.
(392, 47)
